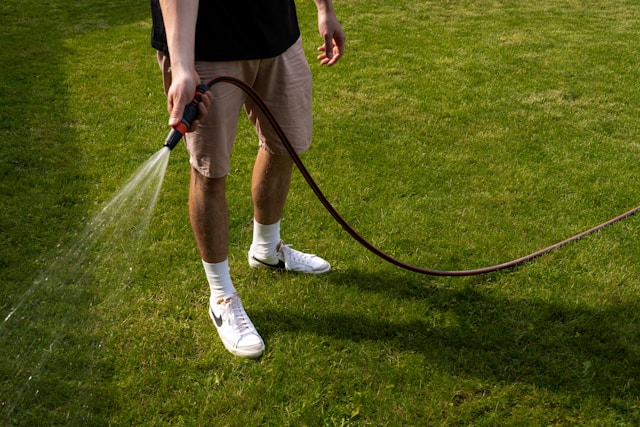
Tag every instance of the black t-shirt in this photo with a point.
(236, 29)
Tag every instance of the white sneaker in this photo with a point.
(238, 334)
(291, 260)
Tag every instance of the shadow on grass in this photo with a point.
(50, 372)
(471, 332)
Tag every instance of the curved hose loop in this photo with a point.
(343, 223)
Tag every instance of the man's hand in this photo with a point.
(180, 94)
(333, 35)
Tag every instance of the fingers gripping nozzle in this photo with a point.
(190, 114)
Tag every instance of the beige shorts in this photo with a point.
(283, 82)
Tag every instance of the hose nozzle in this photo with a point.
(190, 114)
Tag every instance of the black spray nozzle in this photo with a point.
(190, 114)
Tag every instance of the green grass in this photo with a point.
(453, 134)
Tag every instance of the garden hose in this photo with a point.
(191, 112)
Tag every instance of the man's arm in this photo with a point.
(331, 32)
(180, 18)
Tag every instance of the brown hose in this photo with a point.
(307, 176)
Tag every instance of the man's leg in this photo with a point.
(209, 216)
(210, 222)
(270, 186)
(269, 189)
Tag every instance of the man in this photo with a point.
(258, 42)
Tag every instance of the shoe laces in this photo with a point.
(294, 255)
(238, 318)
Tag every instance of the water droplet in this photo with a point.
(10, 314)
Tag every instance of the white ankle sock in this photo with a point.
(265, 241)
(219, 279)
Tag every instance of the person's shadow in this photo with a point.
(471, 330)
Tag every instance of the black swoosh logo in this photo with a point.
(216, 319)
(279, 265)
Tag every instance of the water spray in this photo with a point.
(191, 113)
